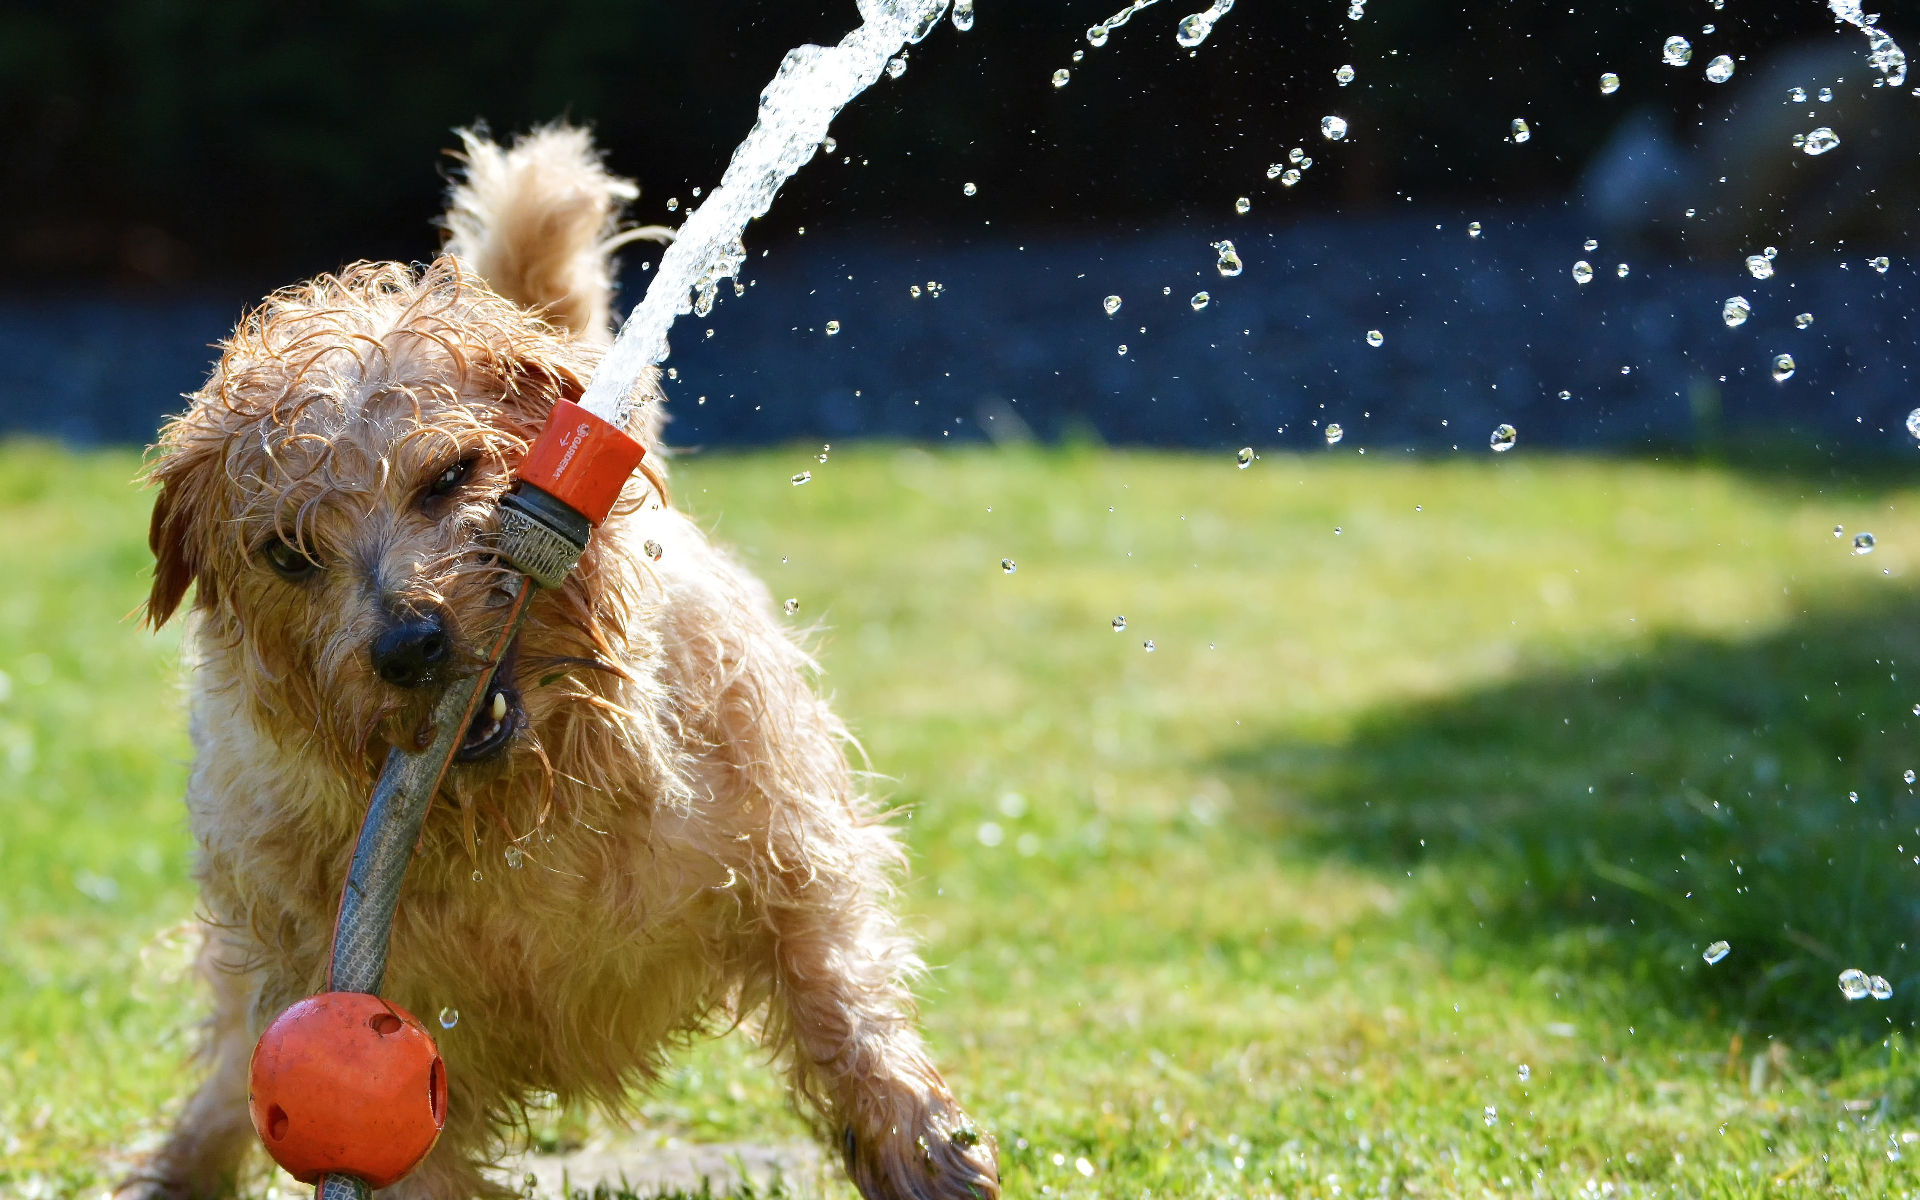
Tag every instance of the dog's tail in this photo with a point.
(539, 221)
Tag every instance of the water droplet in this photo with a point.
(1344, 75)
(1566, 395)
(1526, 1072)
(477, 877)
(1333, 128)
(1909, 776)
(1583, 272)
(1243, 206)
(830, 145)
(653, 549)
(1879, 988)
(1720, 69)
(1760, 266)
(1291, 177)
(449, 1017)
(1123, 349)
(1490, 1115)
(1863, 543)
(1119, 624)
(1356, 11)
(1676, 52)
(1736, 310)
(1201, 300)
(833, 327)
(1229, 264)
(802, 477)
(1473, 229)
(913, 289)
(1334, 433)
(1819, 141)
(673, 204)
(1097, 36)
(1797, 95)
(963, 15)
(1853, 797)
(1623, 270)
(1609, 83)
(1913, 423)
(1879, 264)
(1590, 245)
(1503, 437)
(1194, 29)
(516, 857)
(1716, 952)
(1826, 95)
(1854, 983)
(1803, 320)
(1111, 304)
(1061, 77)
(1782, 367)
(792, 605)
(1375, 338)
(969, 190)
(1009, 566)
(896, 66)
(1520, 130)
(1273, 170)
(1147, 646)
(1244, 457)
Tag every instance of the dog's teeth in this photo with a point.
(499, 707)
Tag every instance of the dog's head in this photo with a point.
(328, 495)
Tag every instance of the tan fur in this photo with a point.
(695, 849)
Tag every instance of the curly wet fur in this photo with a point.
(694, 851)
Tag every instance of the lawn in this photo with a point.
(1375, 856)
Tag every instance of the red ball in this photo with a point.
(350, 1084)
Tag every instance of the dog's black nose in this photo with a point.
(410, 653)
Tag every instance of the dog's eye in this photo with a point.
(451, 478)
(288, 560)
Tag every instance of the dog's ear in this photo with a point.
(173, 535)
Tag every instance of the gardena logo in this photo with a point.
(573, 444)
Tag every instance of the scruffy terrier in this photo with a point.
(650, 829)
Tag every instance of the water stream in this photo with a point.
(813, 84)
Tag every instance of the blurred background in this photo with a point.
(167, 163)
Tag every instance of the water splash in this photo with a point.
(811, 87)
(1098, 34)
(1195, 28)
(1886, 56)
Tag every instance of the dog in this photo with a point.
(650, 831)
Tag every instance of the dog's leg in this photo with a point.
(208, 1147)
(812, 862)
(858, 1060)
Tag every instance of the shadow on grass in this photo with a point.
(1609, 824)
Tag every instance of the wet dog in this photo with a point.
(650, 829)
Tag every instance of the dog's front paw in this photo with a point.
(941, 1156)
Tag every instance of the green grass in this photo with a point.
(1438, 768)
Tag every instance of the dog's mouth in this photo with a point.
(500, 716)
